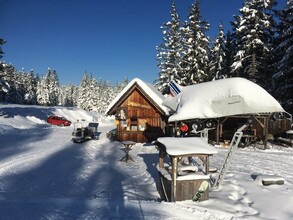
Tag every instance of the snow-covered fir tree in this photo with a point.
(284, 51)
(88, 93)
(48, 89)
(68, 95)
(169, 53)
(31, 88)
(93, 94)
(83, 91)
(2, 42)
(54, 88)
(229, 50)
(16, 91)
(42, 93)
(104, 95)
(4, 85)
(218, 56)
(254, 32)
(196, 48)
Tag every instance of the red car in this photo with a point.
(60, 121)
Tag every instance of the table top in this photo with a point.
(128, 142)
(180, 146)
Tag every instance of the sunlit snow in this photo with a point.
(44, 175)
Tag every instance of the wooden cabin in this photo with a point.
(139, 114)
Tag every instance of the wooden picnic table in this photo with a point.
(127, 147)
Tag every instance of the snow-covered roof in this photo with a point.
(178, 146)
(148, 88)
(224, 97)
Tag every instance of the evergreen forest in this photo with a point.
(258, 47)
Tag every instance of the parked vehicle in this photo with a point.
(57, 120)
(84, 131)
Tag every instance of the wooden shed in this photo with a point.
(226, 103)
(139, 113)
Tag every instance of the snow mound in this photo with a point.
(36, 120)
(270, 180)
(26, 117)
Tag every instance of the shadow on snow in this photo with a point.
(59, 188)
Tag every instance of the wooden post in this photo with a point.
(205, 160)
(162, 154)
(265, 132)
(207, 165)
(174, 179)
(218, 133)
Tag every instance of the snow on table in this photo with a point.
(176, 146)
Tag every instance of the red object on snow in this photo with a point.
(60, 121)
(184, 127)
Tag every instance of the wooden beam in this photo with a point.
(174, 178)
(265, 131)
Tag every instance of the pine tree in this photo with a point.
(196, 48)
(284, 51)
(54, 88)
(218, 56)
(16, 90)
(44, 89)
(169, 53)
(2, 75)
(229, 50)
(68, 94)
(93, 95)
(2, 41)
(31, 88)
(107, 95)
(254, 31)
(83, 91)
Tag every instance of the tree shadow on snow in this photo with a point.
(17, 141)
(27, 111)
(67, 186)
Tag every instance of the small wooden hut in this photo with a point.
(139, 113)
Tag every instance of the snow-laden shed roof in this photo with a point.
(219, 98)
(149, 91)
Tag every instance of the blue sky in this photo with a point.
(111, 39)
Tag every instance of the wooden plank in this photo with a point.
(174, 178)
(185, 189)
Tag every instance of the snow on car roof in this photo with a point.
(224, 97)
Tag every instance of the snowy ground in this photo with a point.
(43, 175)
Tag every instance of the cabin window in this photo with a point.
(123, 123)
(142, 123)
(133, 124)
